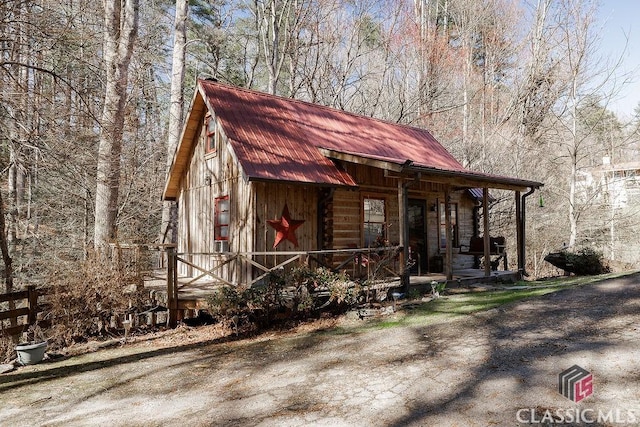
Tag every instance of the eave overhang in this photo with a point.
(462, 178)
(186, 143)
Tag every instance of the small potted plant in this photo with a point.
(31, 350)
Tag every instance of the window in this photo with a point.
(210, 139)
(374, 221)
(453, 212)
(222, 218)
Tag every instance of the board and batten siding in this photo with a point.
(209, 176)
(302, 202)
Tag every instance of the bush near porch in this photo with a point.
(296, 294)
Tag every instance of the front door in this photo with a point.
(417, 210)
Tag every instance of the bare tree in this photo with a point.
(170, 209)
(502, 85)
(276, 21)
(586, 74)
(121, 26)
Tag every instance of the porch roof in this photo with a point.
(282, 139)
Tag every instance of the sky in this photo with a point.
(620, 19)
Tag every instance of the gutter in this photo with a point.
(481, 180)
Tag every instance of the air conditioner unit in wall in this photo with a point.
(221, 246)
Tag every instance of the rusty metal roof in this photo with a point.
(282, 139)
(269, 138)
(278, 138)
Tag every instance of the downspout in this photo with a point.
(521, 249)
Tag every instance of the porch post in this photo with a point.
(487, 235)
(519, 241)
(447, 221)
(172, 287)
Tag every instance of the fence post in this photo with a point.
(32, 317)
(172, 286)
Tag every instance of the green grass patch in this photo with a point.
(455, 306)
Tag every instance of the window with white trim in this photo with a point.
(211, 135)
(373, 221)
(453, 212)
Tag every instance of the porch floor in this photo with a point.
(194, 295)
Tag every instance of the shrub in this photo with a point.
(84, 296)
(298, 293)
(226, 301)
(587, 261)
(584, 262)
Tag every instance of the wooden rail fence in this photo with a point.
(27, 305)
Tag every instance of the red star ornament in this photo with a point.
(285, 227)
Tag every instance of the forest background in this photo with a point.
(93, 95)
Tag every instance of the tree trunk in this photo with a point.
(168, 230)
(275, 22)
(121, 25)
(573, 216)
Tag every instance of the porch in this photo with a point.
(381, 267)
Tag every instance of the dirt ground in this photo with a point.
(495, 368)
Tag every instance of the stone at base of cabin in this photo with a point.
(375, 310)
(7, 368)
(161, 317)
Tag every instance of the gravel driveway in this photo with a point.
(496, 368)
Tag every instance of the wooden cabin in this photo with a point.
(260, 179)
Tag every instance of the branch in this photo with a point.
(56, 76)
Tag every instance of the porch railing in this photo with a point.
(367, 263)
(370, 262)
